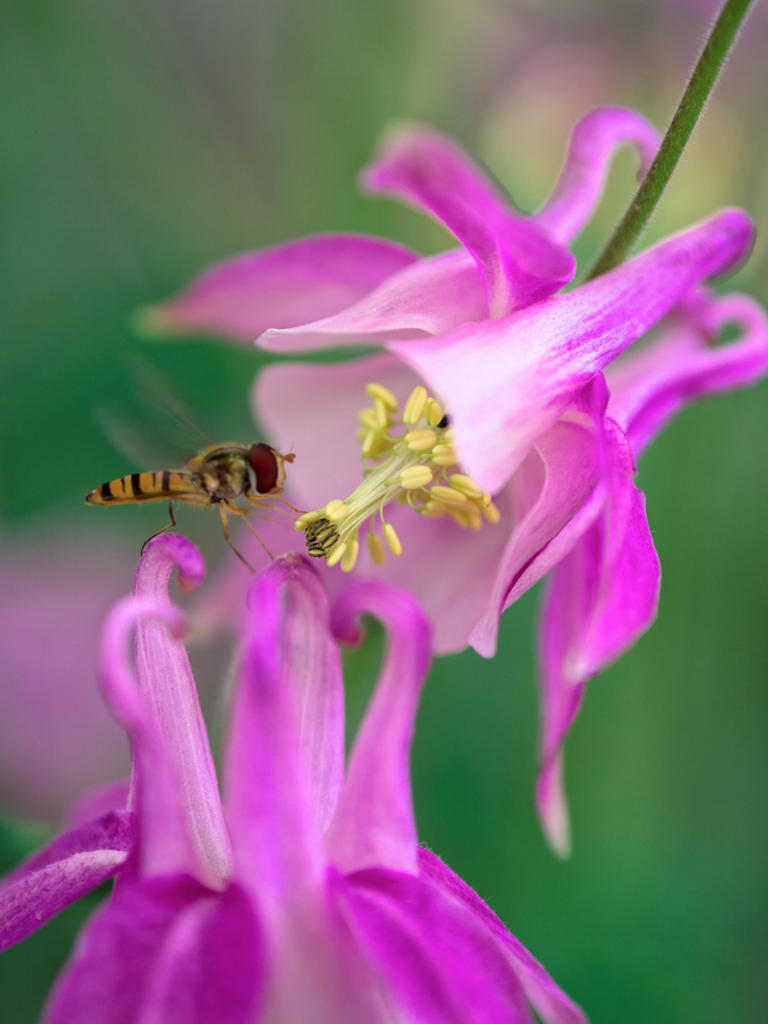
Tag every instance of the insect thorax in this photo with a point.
(222, 471)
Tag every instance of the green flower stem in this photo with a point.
(700, 84)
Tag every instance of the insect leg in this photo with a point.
(298, 511)
(266, 503)
(168, 526)
(225, 524)
(243, 513)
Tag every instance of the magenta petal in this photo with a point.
(274, 832)
(163, 842)
(164, 674)
(442, 964)
(374, 822)
(594, 140)
(506, 381)
(211, 965)
(627, 600)
(319, 972)
(649, 387)
(553, 498)
(117, 952)
(428, 297)
(454, 591)
(549, 791)
(519, 263)
(280, 287)
(603, 596)
(311, 671)
(566, 606)
(66, 869)
(549, 1001)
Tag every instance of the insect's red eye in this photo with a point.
(264, 465)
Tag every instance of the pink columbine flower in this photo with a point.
(536, 462)
(304, 895)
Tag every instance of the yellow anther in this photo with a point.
(420, 440)
(465, 484)
(448, 496)
(349, 557)
(368, 419)
(444, 455)
(474, 519)
(308, 517)
(376, 549)
(491, 512)
(414, 477)
(433, 412)
(468, 517)
(415, 405)
(382, 413)
(433, 509)
(337, 553)
(369, 444)
(393, 541)
(336, 511)
(384, 395)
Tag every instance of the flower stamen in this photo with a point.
(405, 456)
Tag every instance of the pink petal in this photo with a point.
(518, 262)
(553, 498)
(279, 287)
(163, 843)
(651, 386)
(549, 793)
(549, 1001)
(311, 671)
(118, 951)
(319, 971)
(165, 677)
(440, 967)
(505, 382)
(72, 865)
(274, 830)
(453, 590)
(374, 824)
(603, 596)
(211, 965)
(627, 601)
(594, 140)
(428, 297)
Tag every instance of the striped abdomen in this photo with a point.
(151, 486)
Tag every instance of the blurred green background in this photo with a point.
(141, 142)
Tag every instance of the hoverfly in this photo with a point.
(217, 475)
